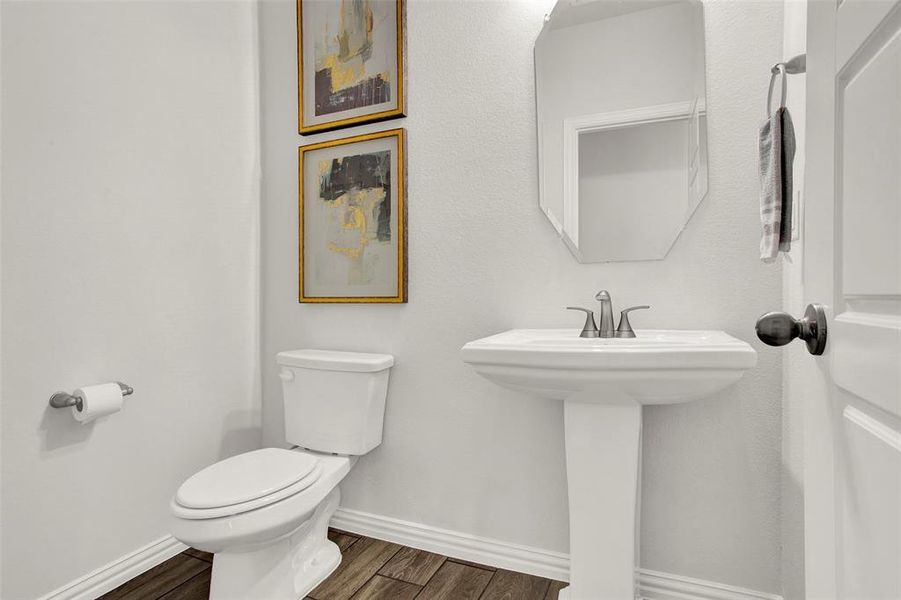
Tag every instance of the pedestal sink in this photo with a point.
(603, 383)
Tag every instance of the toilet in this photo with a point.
(265, 514)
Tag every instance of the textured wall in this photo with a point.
(461, 453)
(130, 224)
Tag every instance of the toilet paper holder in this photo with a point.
(65, 399)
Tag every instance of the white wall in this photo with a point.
(633, 190)
(1, 298)
(461, 453)
(129, 251)
(795, 360)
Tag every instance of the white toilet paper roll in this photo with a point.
(97, 401)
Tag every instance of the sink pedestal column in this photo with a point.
(602, 467)
(602, 382)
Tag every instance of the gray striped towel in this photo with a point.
(777, 151)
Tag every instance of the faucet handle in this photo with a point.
(624, 329)
(590, 329)
(602, 296)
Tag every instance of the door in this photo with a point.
(853, 265)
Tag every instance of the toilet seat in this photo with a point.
(246, 482)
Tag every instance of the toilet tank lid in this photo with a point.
(333, 360)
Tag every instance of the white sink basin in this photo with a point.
(655, 367)
(603, 382)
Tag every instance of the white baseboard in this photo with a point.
(652, 585)
(110, 576)
(655, 585)
(495, 553)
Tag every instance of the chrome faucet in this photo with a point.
(606, 328)
(623, 330)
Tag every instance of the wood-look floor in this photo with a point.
(370, 570)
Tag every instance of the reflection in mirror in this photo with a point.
(622, 140)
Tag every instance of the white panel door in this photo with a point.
(853, 264)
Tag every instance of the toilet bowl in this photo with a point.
(273, 546)
(264, 514)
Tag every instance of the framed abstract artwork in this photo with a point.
(353, 219)
(350, 62)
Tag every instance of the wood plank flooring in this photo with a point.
(370, 570)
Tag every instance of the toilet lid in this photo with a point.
(245, 477)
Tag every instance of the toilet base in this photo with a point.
(286, 569)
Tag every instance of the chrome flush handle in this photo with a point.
(589, 330)
(624, 329)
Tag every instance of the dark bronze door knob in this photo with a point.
(779, 328)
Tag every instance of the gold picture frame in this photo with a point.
(337, 206)
(307, 121)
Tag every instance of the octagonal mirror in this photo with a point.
(622, 124)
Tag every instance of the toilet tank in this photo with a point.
(334, 401)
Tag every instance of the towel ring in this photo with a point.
(793, 66)
(778, 69)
